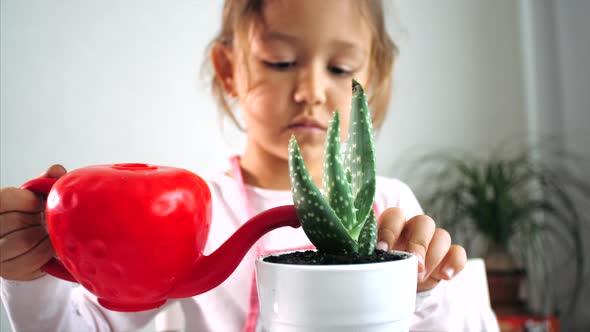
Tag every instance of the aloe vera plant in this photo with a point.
(340, 219)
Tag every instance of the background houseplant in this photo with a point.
(518, 213)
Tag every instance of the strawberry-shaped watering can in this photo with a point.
(134, 234)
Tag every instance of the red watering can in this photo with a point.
(133, 234)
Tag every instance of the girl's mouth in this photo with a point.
(307, 126)
(306, 129)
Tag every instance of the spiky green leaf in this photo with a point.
(368, 235)
(337, 189)
(319, 221)
(360, 154)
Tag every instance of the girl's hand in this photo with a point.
(437, 257)
(24, 242)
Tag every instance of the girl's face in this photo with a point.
(298, 72)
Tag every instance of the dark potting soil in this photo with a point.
(312, 257)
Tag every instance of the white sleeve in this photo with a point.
(462, 304)
(51, 304)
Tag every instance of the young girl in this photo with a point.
(289, 65)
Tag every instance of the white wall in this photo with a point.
(557, 81)
(87, 82)
(458, 82)
(572, 27)
(117, 81)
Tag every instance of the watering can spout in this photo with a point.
(210, 271)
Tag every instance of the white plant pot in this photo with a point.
(360, 297)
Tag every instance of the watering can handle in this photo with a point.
(54, 266)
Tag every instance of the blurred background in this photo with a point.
(95, 82)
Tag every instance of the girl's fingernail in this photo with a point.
(382, 245)
(449, 272)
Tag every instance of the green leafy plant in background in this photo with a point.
(340, 219)
(517, 206)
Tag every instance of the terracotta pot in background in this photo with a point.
(504, 287)
(505, 278)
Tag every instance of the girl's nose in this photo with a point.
(311, 86)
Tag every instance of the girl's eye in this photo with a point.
(282, 65)
(339, 71)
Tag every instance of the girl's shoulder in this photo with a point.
(393, 188)
(221, 181)
(392, 192)
(223, 188)
(390, 182)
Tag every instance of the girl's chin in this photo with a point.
(311, 149)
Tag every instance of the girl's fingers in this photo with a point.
(20, 242)
(437, 250)
(24, 244)
(55, 171)
(390, 226)
(15, 199)
(33, 260)
(19, 209)
(437, 258)
(415, 238)
(453, 263)
(15, 221)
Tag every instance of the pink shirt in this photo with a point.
(49, 304)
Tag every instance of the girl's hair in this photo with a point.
(239, 14)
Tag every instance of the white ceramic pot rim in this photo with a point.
(375, 297)
(334, 267)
